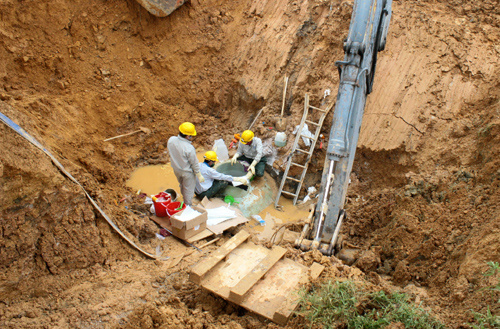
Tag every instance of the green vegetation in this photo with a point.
(334, 304)
(492, 271)
(486, 321)
(486, 130)
(489, 320)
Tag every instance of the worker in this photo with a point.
(250, 150)
(215, 182)
(184, 161)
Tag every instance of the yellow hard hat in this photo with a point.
(211, 156)
(187, 128)
(246, 136)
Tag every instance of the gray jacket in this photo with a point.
(210, 174)
(253, 151)
(182, 155)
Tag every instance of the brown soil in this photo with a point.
(425, 186)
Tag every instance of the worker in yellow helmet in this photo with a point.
(215, 182)
(250, 150)
(184, 162)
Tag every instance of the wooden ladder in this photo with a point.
(295, 148)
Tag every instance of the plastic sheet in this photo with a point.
(221, 150)
(219, 215)
(305, 132)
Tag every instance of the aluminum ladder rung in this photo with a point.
(312, 138)
(289, 193)
(303, 151)
(294, 179)
(317, 108)
(298, 165)
(312, 122)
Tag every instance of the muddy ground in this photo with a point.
(425, 185)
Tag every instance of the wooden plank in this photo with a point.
(280, 318)
(209, 243)
(236, 294)
(204, 266)
(227, 273)
(277, 290)
(283, 313)
(274, 296)
(200, 236)
(315, 270)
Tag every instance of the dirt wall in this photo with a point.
(425, 185)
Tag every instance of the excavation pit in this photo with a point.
(259, 195)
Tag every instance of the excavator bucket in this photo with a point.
(254, 277)
(161, 8)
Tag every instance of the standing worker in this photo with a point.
(215, 182)
(184, 161)
(250, 150)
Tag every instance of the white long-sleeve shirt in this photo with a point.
(253, 151)
(182, 155)
(210, 174)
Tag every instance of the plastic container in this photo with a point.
(280, 139)
(160, 203)
(259, 220)
(173, 194)
(221, 150)
(173, 208)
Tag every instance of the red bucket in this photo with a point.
(163, 200)
(172, 208)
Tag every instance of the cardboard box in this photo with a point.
(186, 229)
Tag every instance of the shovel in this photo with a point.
(280, 124)
(144, 130)
(180, 207)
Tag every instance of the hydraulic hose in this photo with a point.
(33, 141)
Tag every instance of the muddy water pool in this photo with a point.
(258, 199)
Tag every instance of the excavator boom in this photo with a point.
(367, 35)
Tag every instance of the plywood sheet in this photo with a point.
(278, 291)
(273, 295)
(226, 275)
(202, 268)
(256, 274)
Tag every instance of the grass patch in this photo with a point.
(486, 130)
(486, 321)
(493, 271)
(489, 320)
(345, 305)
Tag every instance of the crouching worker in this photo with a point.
(215, 182)
(250, 150)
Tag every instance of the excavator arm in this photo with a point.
(367, 36)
